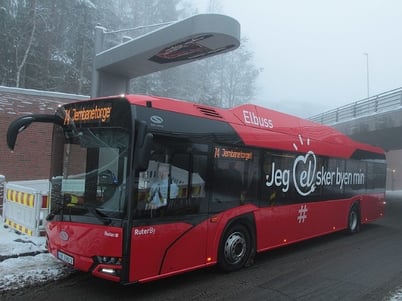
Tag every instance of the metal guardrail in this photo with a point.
(383, 102)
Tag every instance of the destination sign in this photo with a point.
(88, 114)
(227, 153)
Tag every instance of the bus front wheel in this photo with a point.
(236, 248)
(354, 220)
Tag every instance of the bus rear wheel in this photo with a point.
(236, 248)
(354, 220)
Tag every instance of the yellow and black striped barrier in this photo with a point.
(23, 198)
(25, 206)
(18, 227)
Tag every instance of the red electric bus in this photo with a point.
(147, 187)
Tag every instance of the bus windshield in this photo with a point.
(89, 172)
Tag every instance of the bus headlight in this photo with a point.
(108, 267)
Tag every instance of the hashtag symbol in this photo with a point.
(302, 214)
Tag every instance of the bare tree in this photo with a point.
(48, 45)
(21, 65)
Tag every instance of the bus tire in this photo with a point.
(236, 249)
(354, 219)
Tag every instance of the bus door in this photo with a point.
(170, 228)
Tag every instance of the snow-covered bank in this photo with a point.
(24, 261)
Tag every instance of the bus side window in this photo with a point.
(277, 181)
(227, 185)
(250, 180)
(186, 175)
(235, 179)
(227, 178)
(198, 182)
(189, 173)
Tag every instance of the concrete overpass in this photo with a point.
(376, 120)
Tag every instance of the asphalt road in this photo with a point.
(366, 266)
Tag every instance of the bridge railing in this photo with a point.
(383, 102)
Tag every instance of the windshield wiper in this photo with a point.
(90, 208)
(98, 214)
(61, 206)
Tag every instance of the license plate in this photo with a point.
(66, 258)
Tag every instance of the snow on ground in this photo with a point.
(24, 260)
(396, 296)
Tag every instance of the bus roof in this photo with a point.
(262, 127)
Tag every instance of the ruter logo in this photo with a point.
(64, 235)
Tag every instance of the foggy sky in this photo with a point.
(313, 51)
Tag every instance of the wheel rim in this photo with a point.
(353, 221)
(235, 248)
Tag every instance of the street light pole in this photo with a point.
(367, 73)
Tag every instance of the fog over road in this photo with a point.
(366, 266)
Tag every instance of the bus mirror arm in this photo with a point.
(143, 153)
(20, 124)
(143, 146)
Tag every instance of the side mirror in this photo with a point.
(143, 145)
(20, 124)
(107, 178)
(16, 127)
